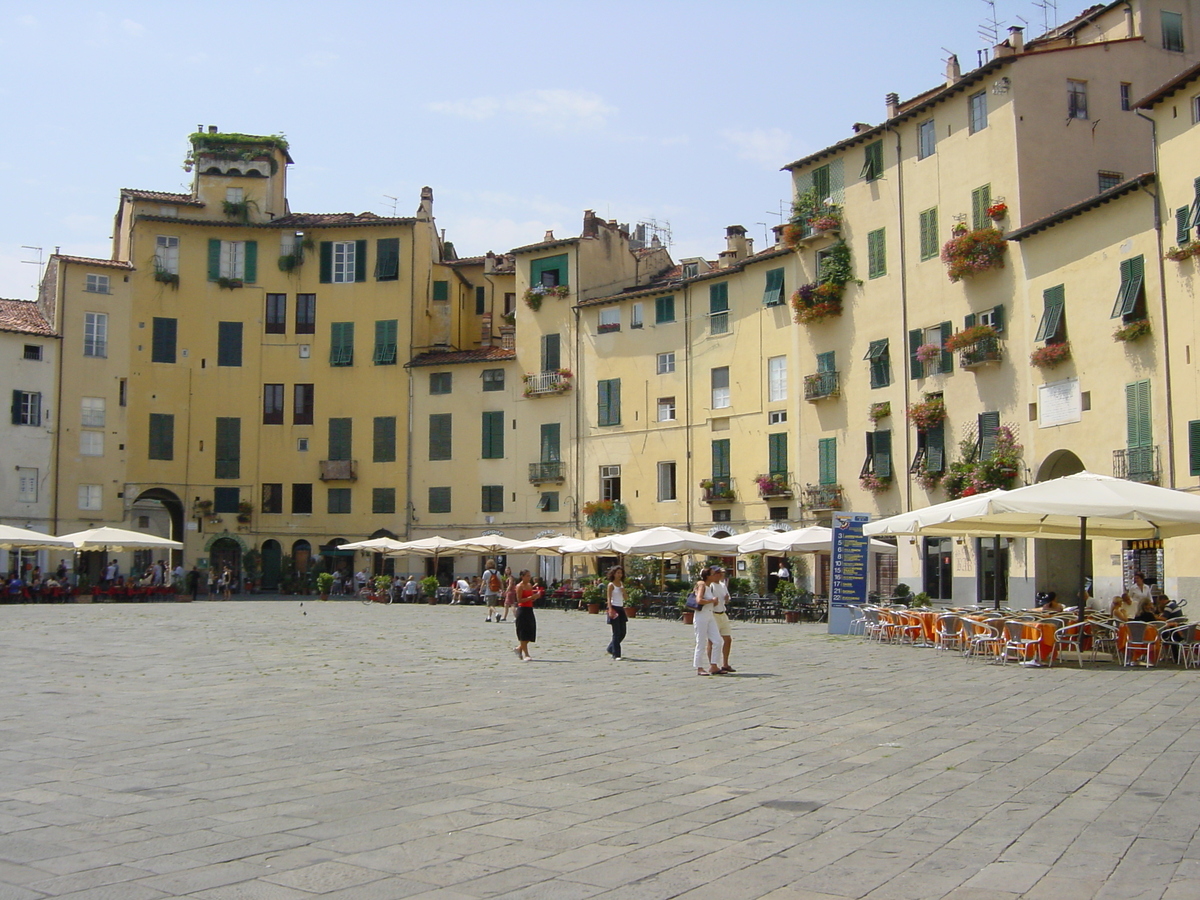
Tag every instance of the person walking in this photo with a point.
(226, 583)
(492, 586)
(617, 619)
(510, 593)
(193, 582)
(410, 589)
(721, 617)
(527, 595)
(705, 625)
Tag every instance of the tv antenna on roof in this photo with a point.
(395, 201)
(1049, 10)
(34, 262)
(990, 29)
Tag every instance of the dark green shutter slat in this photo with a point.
(777, 453)
(827, 460)
(720, 459)
(989, 426)
(614, 401)
(551, 356)
(360, 260)
(229, 343)
(947, 357)
(935, 448)
(1194, 447)
(1183, 216)
(214, 259)
(326, 267)
(602, 403)
(883, 454)
(340, 438)
(387, 259)
(1137, 415)
(384, 439)
(968, 321)
(228, 446)
(493, 435)
(250, 263)
(440, 436)
(163, 340)
(915, 337)
(998, 318)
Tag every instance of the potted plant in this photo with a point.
(1183, 251)
(919, 601)
(204, 508)
(789, 601)
(928, 353)
(595, 596)
(536, 293)
(324, 584)
(633, 600)
(901, 593)
(688, 614)
(383, 585)
(1132, 331)
(927, 414)
(876, 484)
(165, 277)
(880, 410)
(429, 587)
(971, 252)
(1051, 355)
(245, 510)
(997, 211)
(968, 337)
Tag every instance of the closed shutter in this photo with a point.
(551, 447)
(876, 254)
(664, 309)
(777, 463)
(340, 438)
(609, 402)
(360, 260)
(439, 499)
(981, 199)
(998, 318)
(383, 500)
(480, 301)
(916, 367)
(440, 443)
(441, 291)
(968, 321)
(229, 343)
(162, 436)
(1194, 447)
(326, 262)
(551, 355)
(214, 259)
(250, 263)
(17, 397)
(827, 460)
(720, 459)
(989, 427)
(947, 356)
(935, 448)
(493, 435)
(883, 454)
(229, 448)
(384, 439)
(827, 362)
(1137, 415)
(163, 340)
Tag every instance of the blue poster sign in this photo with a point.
(850, 558)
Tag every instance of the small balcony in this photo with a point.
(339, 470)
(547, 384)
(546, 472)
(981, 353)
(822, 496)
(774, 486)
(821, 385)
(1138, 464)
(717, 490)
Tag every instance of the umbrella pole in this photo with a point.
(1082, 566)
(996, 575)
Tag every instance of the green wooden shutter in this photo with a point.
(935, 448)
(1194, 217)
(827, 361)
(551, 355)
(998, 318)
(441, 291)
(968, 321)
(162, 436)
(551, 446)
(827, 460)
(360, 260)
(556, 264)
(614, 401)
(602, 402)
(326, 262)
(480, 301)
(777, 462)
(162, 349)
(384, 439)
(916, 367)
(1183, 217)
(250, 266)
(214, 259)
(989, 427)
(876, 253)
(387, 259)
(228, 448)
(664, 310)
(947, 356)
(718, 297)
(1053, 300)
(385, 342)
(440, 436)
(1194, 447)
(981, 199)
(17, 397)
(720, 460)
(883, 454)
(340, 438)
(1133, 272)
(493, 435)
(229, 343)
(1137, 415)
(773, 293)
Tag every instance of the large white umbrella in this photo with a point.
(488, 543)
(812, 539)
(108, 538)
(915, 522)
(555, 546)
(664, 539)
(430, 546)
(375, 545)
(13, 538)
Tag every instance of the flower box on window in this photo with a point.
(773, 485)
(876, 484)
(538, 292)
(972, 252)
(1051, 355)
(1132, 331)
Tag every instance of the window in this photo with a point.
(510, 303)
(272, 498)
(493, 435)
(27, 484)
(666, 482)
(722, 515)
(719, 380)
(493, 379)
(878, 461)
(1172, 31)
(91, 443)
(876, 253)
(822, 181)
(440, 436)
(233, 260)
(929, 234)
(777, 453)
(341, 438)
(385, 342)
(548, 501)
(162, 348)
(439, 499)
(666, 363)
(96, 284)
(936, 335)
(871, 170)
(441, 292)
(225, 499)
(343, 262)
(26, 408)
(301, 445)
(1077, 99)
(977, 112)
(718, 308)
(926, 139)
(827, 461)
(383, 439)
(881, 363)
(720, 462)
(276, 317)
(777, 381)
(987, 425)
(635, 316)
(95, 334)
(1051, 329)
(1126, 96)
(773, 292)
(122, 391)
(664, 310)
(166, 254)
(337, 501)
(387, 259)
(1131, 301)
(302, 406)
(777, 417)
(551, 352)
(493, 498)
(91, 414)
(551, 434)
(33, 352)
(608, 401)
(993, 317)
(229, 448)
(666, 409)
(609, 319)
(272, 404)
(1108, 180)
(302, 495)
(690, 270)
(306, 314)
(981, 199)
(549, 271)
(441, 382)
(383, 501)
(480, 301)
(341, 344)
(162, 436)
(931, 451)
(235, 195)
(229, 343)
(610, 483)
(89, 496)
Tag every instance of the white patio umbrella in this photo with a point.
(664, 539)
(108, 538)
(489, 543)
(430, 546)
(555, 546)
(812, 539)
(375, 545)
(13, 538)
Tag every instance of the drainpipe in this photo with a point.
(907, 443)
(60, 327)
(1162, 303)
(577, 443)
(412, 314)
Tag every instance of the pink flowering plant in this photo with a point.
(971, 252)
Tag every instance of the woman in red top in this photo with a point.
(527, 594)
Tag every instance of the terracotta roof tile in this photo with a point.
(90, 261)
(458, 357)
(161, 197)
(23, 317)
(294, 220)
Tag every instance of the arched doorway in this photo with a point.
(1056, 563)
(301, 562)
(380, 564)
(167, 505)
(272, 565)
(226, 551)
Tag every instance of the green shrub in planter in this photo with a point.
(429, 585)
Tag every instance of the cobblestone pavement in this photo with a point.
(272, 750)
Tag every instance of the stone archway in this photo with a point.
(1056, 563)
(1058, 464)
(272, 565)
(173, 506)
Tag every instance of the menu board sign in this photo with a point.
(850, 557)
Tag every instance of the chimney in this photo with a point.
(485, 335)
(425, 207)
(736, 245)
(548, 236)
(212, 129)
(1016, 38)
(489, 263)
(777, 230)
(953, 71)
(892, 102)
(591, 224)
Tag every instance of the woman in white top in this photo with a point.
(705, 625)
(617, 618)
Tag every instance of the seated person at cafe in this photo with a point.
(1167, 608)
(1048, 601)
(1122, 608)
(1147, 612)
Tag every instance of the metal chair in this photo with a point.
(1014, 632)
(1069, 637)
(984, 640)
(1184, 640)
(948, 633)
(1140, 637)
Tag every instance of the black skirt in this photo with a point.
(526, 624)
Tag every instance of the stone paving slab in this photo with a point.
(281, 749)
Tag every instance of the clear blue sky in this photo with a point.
(520, 115)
